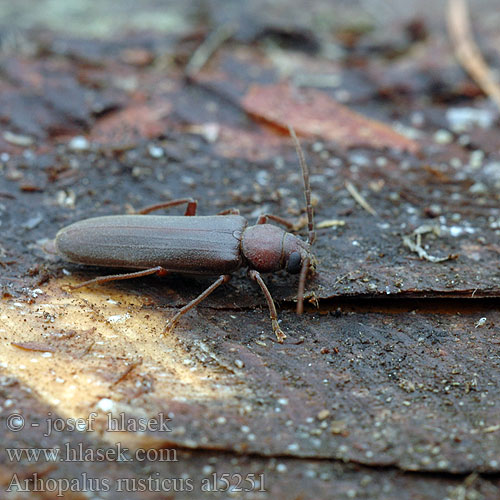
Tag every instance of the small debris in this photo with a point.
(32, 222)
(281, 468)
(463, 119)
(18, 139)
(66, 199)
(209, 131)
(33, 346)
(338, 427)
(481, 322)
(467, 51)
(209, 46)
(79, 143)
(238, 363)
(416, 246)
(105, 404)
(330, 223)
(476, 158)
(323, 414)
(118, 318)
(492, 428)
(358, 198)
(155, 151)
(443, 137)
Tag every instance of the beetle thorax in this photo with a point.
(268, 248)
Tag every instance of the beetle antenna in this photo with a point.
(302, 286)
(307, 187)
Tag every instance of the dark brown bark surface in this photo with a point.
(389, 388)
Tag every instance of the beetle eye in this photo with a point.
(293, 265)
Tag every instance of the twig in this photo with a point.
(129, 368)
(416, 246)
(358, 198)
(467, 51)
(203, 53)
(330, 223)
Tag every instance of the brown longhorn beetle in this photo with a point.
(210, 245)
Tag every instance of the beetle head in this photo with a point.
(296, 255)
(267, 248)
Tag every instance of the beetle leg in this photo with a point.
(114, 277)
(229, 211)
(255, 275)
(263, 220)
(190, 209)
(223, 278)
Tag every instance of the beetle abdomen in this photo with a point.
(202, 245)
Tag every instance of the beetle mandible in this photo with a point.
(210, 245)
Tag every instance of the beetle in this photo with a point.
(209, 245)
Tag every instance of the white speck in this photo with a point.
(155, 151)
(185, 179)
(318, 147)
(492, 170)
(79, 143)
(476, 158)
(355, 243)
(478, 188)
(263, 177)
(410, 132)
(283, 401)
(481, 322)
(443, 136)
(293, 447)
(105, 404)
(60, 380)
(209, 131)
(359, 159)
(66, 272)
(221, 420)
(46, 355)
(456, 231)
(118, 318)
(207, 469)
(245, 429)
(462, 119)
(239, 363)
(111, 301)
(281, 468)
